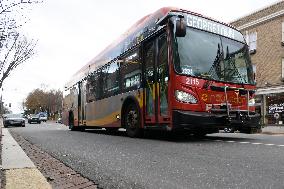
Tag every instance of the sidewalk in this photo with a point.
(273, 130)
(18, 170)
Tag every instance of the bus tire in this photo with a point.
(132, 121)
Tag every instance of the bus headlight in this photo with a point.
(251, 102)
(185, 97)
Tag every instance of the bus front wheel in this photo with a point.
(132, 121)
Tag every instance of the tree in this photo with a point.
(44, 101)
(36, 101)
(15, 48)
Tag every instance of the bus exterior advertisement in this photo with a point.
(174, 70)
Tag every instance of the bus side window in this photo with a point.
(131, 71)
(112, 79)
(91, 86)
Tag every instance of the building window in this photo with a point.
(251, 39)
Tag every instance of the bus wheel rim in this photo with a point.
(132, 119)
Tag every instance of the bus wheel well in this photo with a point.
(126, 103)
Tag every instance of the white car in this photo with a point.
(43, 117)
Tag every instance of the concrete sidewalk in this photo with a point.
(273, 130)
(20, 172)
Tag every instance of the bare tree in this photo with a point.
(18, 53)
(15, 48)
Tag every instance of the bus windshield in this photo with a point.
(211, 56)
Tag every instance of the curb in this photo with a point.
(18, 170)
(272, 133)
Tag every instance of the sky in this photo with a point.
(71, 32)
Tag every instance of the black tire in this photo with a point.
(23, 125)
(132, 121)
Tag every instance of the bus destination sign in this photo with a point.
(213, 27)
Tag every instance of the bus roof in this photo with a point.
(133, 36)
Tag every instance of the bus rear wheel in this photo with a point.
(132, 121)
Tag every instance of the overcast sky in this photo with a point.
(72, 32)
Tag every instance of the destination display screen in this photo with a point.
(213, 27)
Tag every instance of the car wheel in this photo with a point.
(23, 125)
(132, 121)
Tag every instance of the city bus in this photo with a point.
(173, 70)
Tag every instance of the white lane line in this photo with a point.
(257, 143)
(254, 143)
(244, 142)
(218, 140)
(269, 144)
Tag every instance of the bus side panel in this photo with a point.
(107, 112)
(104, 112)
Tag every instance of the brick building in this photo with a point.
(264, 32)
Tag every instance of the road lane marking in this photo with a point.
(269, 144)
(245, 142)
(218, 140)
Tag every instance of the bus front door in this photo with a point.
(156, 76)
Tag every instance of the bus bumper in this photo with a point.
(207, 121)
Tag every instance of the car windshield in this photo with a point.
(14, 116)
(211, 56)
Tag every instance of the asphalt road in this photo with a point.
(161, 161)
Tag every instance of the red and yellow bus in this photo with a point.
(173, 70)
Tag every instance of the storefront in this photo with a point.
(271, 101)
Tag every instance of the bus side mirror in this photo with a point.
(180, 27)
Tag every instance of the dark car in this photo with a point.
(34, 118)
(13, 120)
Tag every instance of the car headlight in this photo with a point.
(251, 102)
(185, 97)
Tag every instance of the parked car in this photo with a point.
(34, 118)
(13, 120)
(43, 117)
